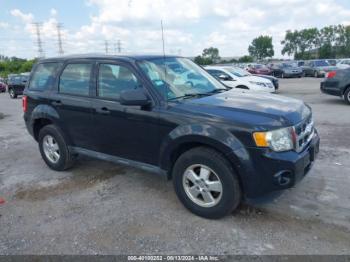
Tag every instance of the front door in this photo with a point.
(129, 132)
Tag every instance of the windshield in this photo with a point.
(176, 77)
(239, 72)
(321, 63)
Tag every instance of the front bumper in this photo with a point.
(271, 171)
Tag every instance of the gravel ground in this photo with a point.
(104, 208)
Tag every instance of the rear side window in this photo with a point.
(113, 79)
(75, 79)
(44, 76)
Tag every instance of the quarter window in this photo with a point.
(113, 79)
(44, 76)
(75, 79)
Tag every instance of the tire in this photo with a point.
(316, 74)
(12, 94)
(303, 74)
(220, 173)
(66, 159)
(347, 95)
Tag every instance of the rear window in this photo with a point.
(75, 79)
(44, 76)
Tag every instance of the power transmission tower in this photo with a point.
(38, 39)
(59, 38)
(106, 46)
(119, 46)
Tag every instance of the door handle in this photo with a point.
(103, 111)
(57, 103)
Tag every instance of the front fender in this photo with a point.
(217, 138)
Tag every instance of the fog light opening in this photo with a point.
(283, 178)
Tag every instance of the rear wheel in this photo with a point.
(12, 93)
(206, 183)
(347, 95)
(54, 149)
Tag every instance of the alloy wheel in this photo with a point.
(202, 185)
(51, 149)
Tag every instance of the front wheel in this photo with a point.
(12, 94)
(206, 183)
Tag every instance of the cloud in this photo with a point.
(189, 25)
(27, 18)
(4, 25)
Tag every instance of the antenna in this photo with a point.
(165, 73)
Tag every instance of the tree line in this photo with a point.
(329, 42)
(14, 65)
(310, 43)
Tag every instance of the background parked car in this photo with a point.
(273, 79)
(317, 68)
(259, 69)
(337, 83)
(235, 77)
(343, 63)
(332, 62)
(3, 87)
(286, 70)
(16, 84)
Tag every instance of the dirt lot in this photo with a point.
(102, 208)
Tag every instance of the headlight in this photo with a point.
(278, 140)
(257, 83)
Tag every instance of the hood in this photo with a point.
(260, 111)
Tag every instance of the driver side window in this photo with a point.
(113, 79)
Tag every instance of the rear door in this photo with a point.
(129, 132)
(72, 100)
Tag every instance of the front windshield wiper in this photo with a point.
(219, 90)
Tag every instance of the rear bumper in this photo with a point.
(272, 171)
(331, 88)
(18, 89)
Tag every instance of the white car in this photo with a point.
(343, 63)
(239, 78)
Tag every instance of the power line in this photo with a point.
(60, 48)
(106, 46)
(119, 46)
(38, 41)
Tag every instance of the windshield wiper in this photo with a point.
(188, 96)
(219, 90)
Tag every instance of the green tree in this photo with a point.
(246, 59)
(211, 53)
(261, 47)
(202, 60)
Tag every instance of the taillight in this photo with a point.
(24, 103)
(331, 74)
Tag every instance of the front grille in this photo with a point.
(304, 133)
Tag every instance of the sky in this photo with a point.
(189, 25)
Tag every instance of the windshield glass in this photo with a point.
(239, 72)
(176, 77)
(321, 63)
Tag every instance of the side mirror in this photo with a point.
(135, 97)
(224, 77)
